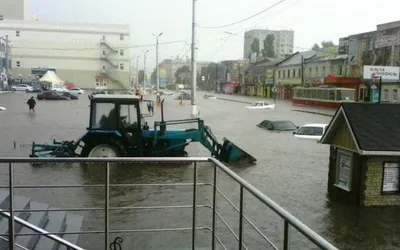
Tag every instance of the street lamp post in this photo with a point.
(137, 71)
(144, 68)
(157, 67)
(193, 66)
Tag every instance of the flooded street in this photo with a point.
(292, 172)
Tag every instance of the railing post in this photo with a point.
(241, 208)
(214, 208)
(11, 238)
(286, 236)
(194, 206)
(106, 206)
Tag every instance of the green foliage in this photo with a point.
(328, 47)
(182, 70)
(255, 46)
(269, 49)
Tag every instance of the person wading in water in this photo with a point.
(31, 103)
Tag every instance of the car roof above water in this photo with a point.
(315, 125)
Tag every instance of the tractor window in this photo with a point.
(103, 117)
(128, 117)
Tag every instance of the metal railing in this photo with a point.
(289, 220)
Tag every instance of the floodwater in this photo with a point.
(292, 172)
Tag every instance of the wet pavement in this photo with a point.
(293, 172)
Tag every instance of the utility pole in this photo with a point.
(144, 69)
(137, 71)
(194, 71)
(157, 68)
(302, 70)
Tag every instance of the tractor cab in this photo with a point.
(119, 113)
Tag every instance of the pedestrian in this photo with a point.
(31, 103)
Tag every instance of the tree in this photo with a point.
(182, 70)
(328, 47)
(141, 76)
(316, 47)
(269, 48)
(255, 47)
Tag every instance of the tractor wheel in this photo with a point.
(107, 148)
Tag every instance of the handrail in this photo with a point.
(57, 239)
(289, 220)
(305, 230)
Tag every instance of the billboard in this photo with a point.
(386, 72)
(163, 77)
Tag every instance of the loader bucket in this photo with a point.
(232, 153)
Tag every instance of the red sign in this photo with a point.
(342, 80)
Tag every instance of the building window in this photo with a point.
(104, 52)
(390, 180)
(294, 73)
(344, 168)
(1, 17)
(18, 64)
(395, 96)
(288, 73)
(121, 66)
(104, 67)
(385, 95)
(17, 33)
(121, 37)
(279, 74)
(121, 52)
(284, 73)
(103, 38)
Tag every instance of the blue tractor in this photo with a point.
(117, 128)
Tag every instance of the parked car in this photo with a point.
(22, 87)
(278, 125)
(261, 105)
(311, 131)
(51, 95)
(77, 91)
(69, 95)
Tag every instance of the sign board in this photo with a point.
(269, 77)
(342, 80)
(344, 170)
(391, 174)
(386, 72)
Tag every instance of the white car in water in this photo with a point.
(261, 105)
(2, 108)
(76, 91)
(313, 131)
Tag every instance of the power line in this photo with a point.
(243, 20)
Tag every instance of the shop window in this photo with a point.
(344, 168)
(390, 180)
(395, 96)
(385, 95)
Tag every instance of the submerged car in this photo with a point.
(68, 95)
(76, 91)
(311, 131)
(261, 105)
(278, 125)
(51, 95)
(209, 96)
(183, 96)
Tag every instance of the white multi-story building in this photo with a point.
(283, 42)
(14, 9)
(85, 54)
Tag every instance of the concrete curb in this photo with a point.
(231, 100)
(312, 112)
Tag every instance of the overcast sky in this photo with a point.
(312, 21)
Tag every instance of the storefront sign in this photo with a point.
(387, 73)
(342, 80)
(391, 174)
